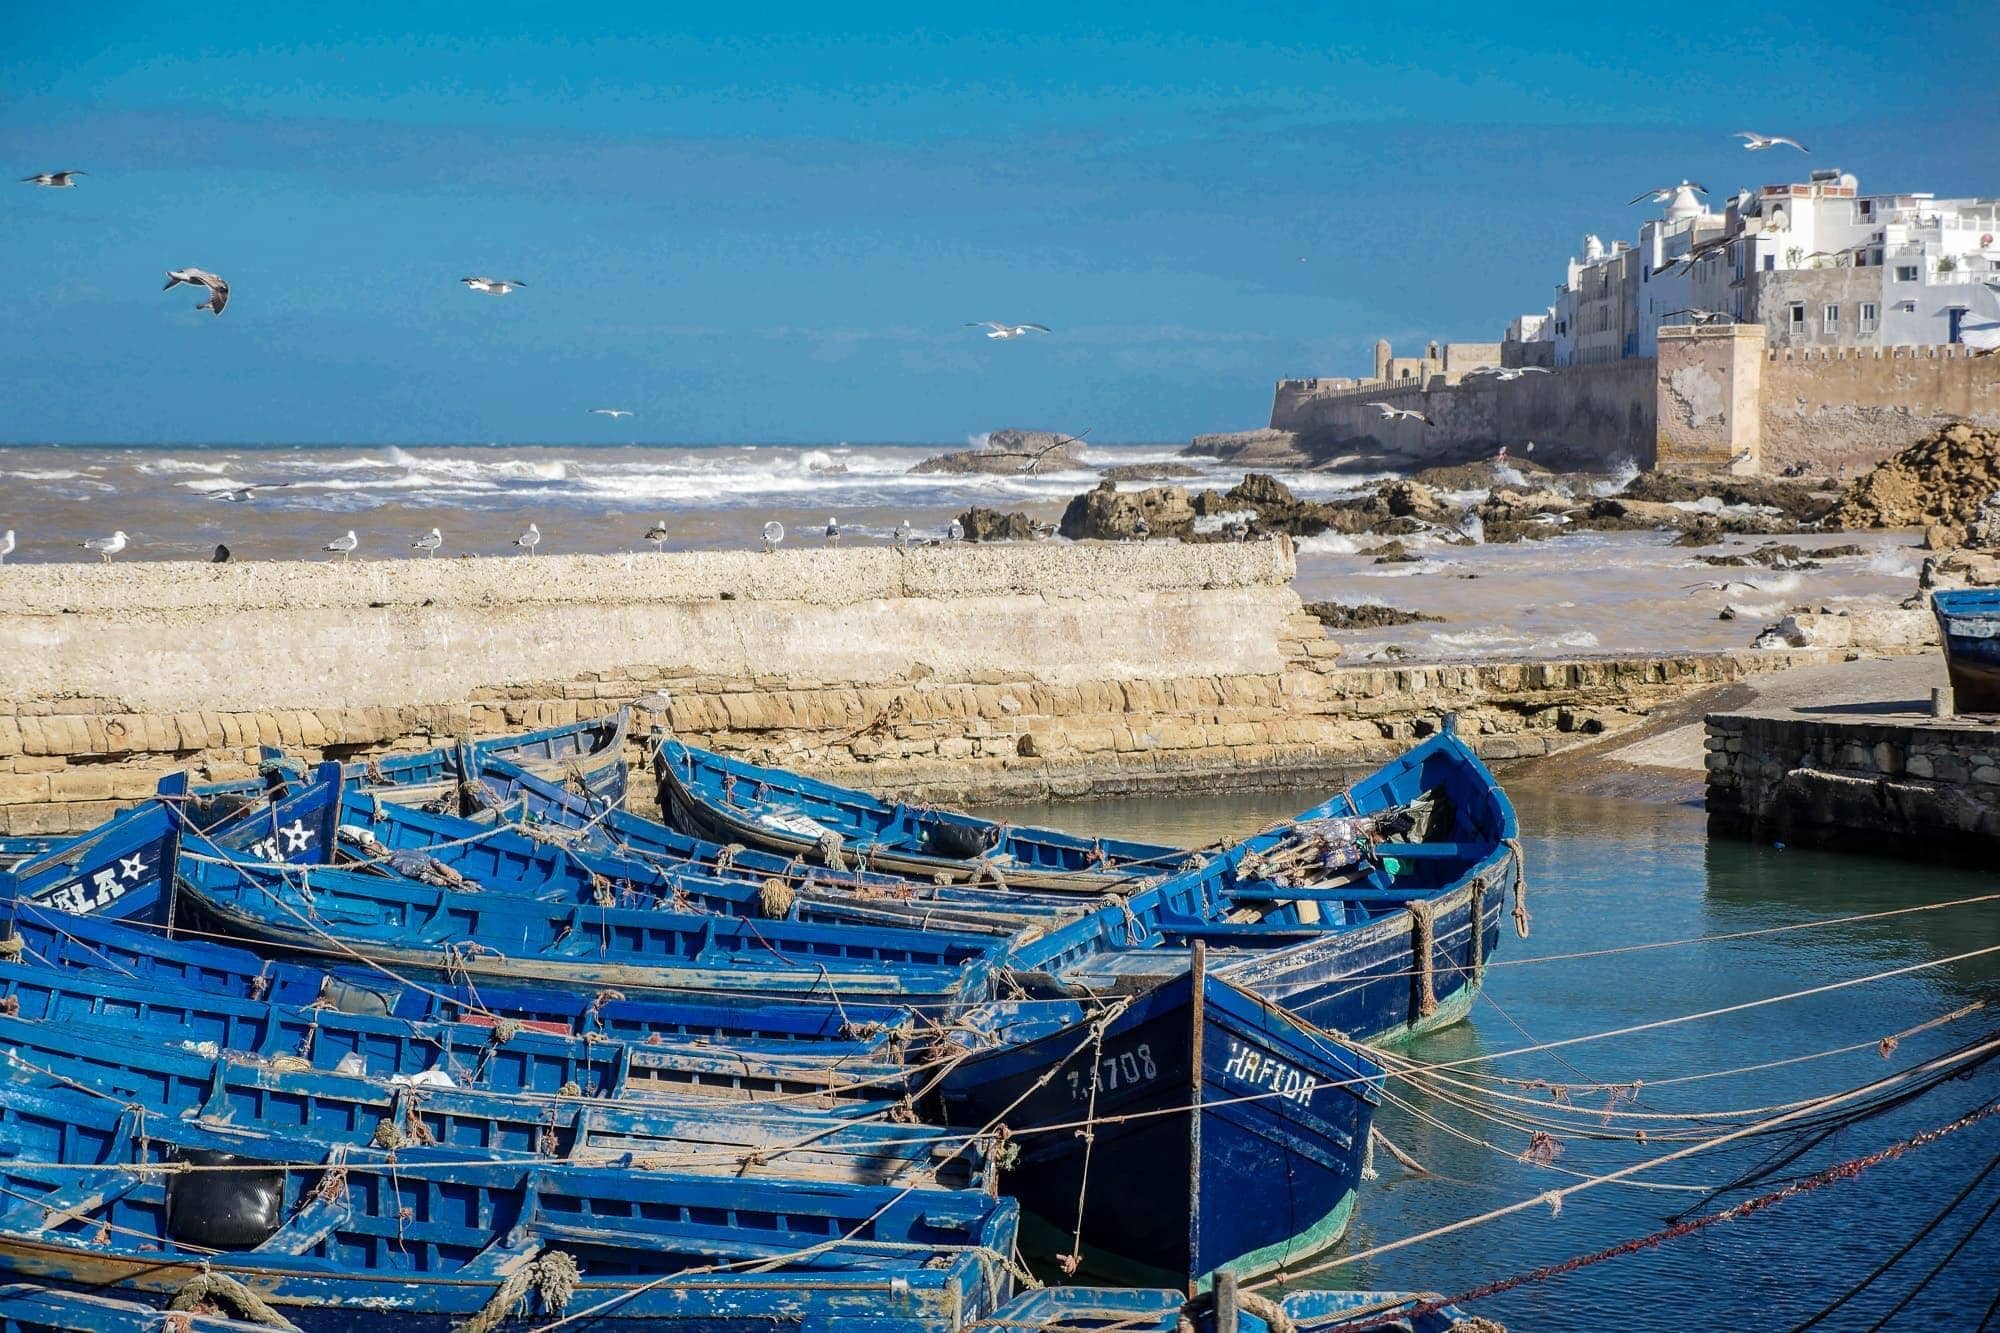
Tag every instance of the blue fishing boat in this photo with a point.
(107, 1201)
(120, 868)
(1143, 1310)
(25, 1308)
(849, 1078)
(727, 800)
(161, 1069)
(110, 950)
(1223, 1135)
(422, 928)
(1969, 625)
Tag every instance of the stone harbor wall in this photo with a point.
(1852, 407)
(948, 672)
(1890, 785)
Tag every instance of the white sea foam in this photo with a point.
(1624, 472)
(1895, 562)
(1205, 523)
(1331, 543)
(1506, 474)
(53, 474)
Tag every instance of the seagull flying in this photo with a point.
(54, 180)
(774, 532)
(492, 286)
(343, 546)
(1035, 456)
(428, 543)
(1664, 193)
(106, 547)
(658, 534)
(1724, 585)
(530, 539)
(995, 329)
(832, 531)
(1700, 317)
(7, 544)
(244, 494)
(613, 412)
(1507, 373)
(1399, 413)
(1757, 143)
(218, 290)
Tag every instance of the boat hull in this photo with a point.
(1969, 626)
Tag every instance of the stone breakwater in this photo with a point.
(956, 672)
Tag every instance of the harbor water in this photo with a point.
(1607, 876)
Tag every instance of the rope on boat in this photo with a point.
(1403, 1159)
(1423, 932)
(1513, 846)
(11, 948)
(1478, 914)
(830, 851)
(219, 1289)
(553, 1276)
(1249, 1302)
(775, 898)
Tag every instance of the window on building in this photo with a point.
(1798, 320)
(1907, 307)
(1906, 273)
(1770, 263)
(1832, 321)
(1866, 322)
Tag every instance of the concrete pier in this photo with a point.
(1885, 778)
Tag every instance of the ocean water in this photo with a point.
(1575, 595)
(1607, 875)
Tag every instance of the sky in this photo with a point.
(772, 223)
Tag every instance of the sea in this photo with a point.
(1608, 881)
(1579, 594)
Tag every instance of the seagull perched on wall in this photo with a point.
(658, 534)
(343, 546)
(6, 545)
(220, 556)
(956, 532)
(106, 547)
(218, 290)
(1757, 143)
(530, 539)
(1700, 317)
(428, 543)
(774, 532)
(832, 531)
(613, 412)
(903, 533)
(54, 180)
(492, 286)
(995, 329)
(1664, 193)
(1399, 413)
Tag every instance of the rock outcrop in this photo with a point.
(1107, 514)
(1336, 615)
(990, 525)
(1943, 480)
(1009, 451)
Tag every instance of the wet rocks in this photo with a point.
(1010, 451)
(1797, 502)
(990, 525)
(1783, 555)
(1107, 514)
(1160, 471)
(1943, 480)
(1336, 615)
(1252, 448)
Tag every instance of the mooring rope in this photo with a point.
(1423, 986)
(210, 1287)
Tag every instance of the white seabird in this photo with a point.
(106, 547)
(54, 180)
(995, 329)
(218, 290)
(428, 543)
(1399, 413)
(1698, 317)
(774, 532)
(492, 286)
(1664, 193)
(658, 534)
(956, 532)
(530, 539)
(343, 546)
(903, 533)
(244, 494)
(6, 544)
(832, 531)
(613, 412)
(1757, 143)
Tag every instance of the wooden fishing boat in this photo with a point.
(424, 929)
(106, 1201)
(1143, 1310)
(727, 800)
(119, 868)
(155, 1066)
(26, 1308)
(850, 1078)
(1224, 1134)
(1969, 625)
(110, 950)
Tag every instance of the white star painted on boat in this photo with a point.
(131, 867)
(296, 836)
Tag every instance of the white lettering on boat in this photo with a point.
(1259, 1069)
(89, 892)
(297, 838)
(1122, 1069)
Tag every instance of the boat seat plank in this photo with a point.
(84, 1194)
(304, 1230)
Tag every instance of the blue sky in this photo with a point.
(768, 223)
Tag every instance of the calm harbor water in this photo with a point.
(1607, 874)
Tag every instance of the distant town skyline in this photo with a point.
(775, 225)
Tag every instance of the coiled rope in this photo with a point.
(212, 1288)
(554, 1277)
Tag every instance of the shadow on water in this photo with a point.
(1609, 874)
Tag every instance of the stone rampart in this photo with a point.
(945, 672)
(1853, 407)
